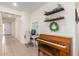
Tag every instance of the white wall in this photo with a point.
(13, 29)
(24, 21)
(77, 33)
(67, 25)
(0, 24)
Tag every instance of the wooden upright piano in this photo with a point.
(51, 45)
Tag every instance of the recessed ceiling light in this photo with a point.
(15, 4)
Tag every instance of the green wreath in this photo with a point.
(54, 26)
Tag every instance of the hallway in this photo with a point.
(48, 23)
(12, 47)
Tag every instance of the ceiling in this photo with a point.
(23, 6)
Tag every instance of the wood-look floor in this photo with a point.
(12, 47)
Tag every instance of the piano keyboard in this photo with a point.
(53, 43)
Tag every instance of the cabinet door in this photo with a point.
(62, 53)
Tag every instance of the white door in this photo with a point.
(7, 27)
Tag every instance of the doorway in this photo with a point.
(7, 28)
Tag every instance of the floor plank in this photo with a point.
(13, 47)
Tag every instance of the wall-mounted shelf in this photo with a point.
(54, 19)
(54, 11)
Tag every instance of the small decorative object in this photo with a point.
(54, 26)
